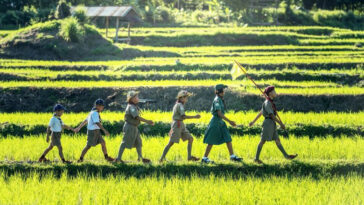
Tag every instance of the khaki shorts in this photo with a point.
(56, 139)
(94, 138)
(131, 137)
(269, 130)
(179, 131)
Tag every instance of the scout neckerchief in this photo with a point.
(60, 120)
(273, 105)
(179, 121)
(285, 133)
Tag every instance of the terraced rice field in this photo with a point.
(319, 76)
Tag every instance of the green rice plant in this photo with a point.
(299, 124)
(331, 41)
(241, 118)
(221, 63)
(35, 74)
(46, 189)
(329, 148)
(244, 87)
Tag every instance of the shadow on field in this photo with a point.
(315, 170)
(42, 99)
(341, 78)
(217, 39)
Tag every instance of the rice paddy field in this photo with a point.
(319, 77)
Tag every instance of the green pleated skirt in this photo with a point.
(217, 132)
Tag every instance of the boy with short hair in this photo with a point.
(54, 130)
(94, 125)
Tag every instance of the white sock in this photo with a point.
(204, 157)
(232, 156)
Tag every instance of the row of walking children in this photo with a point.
(216, 133)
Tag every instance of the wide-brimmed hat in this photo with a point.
(131, 94)
(183, 93)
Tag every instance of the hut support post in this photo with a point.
(107, 26)
(276, 12)
(128, 32)
(117, 29)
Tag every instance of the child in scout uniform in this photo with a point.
(54, 130)
(269, 130)
(217, 132)
(178, 128)
(131, 133)
(94, 126)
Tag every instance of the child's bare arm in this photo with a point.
(255, 119)
(48, 133)
(150, 122)
(278, 121)
(191, 116)
(232, 123)
(68, 128)
(102, 128)
(82, 124)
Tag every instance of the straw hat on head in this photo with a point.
(131, 94)
(183, 93)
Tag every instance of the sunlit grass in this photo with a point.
(241, 118)
(163, 190)
(329, 148)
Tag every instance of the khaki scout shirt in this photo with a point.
(178, 112)
(131, 115)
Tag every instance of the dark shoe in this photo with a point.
(258, 161)
(290, 157)
(66, 162)
(44, 160)
(194, 159)
(236, 159)
(146, 161)
(207, 161)
(109, 159)
(41, 159)
(80, 161)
